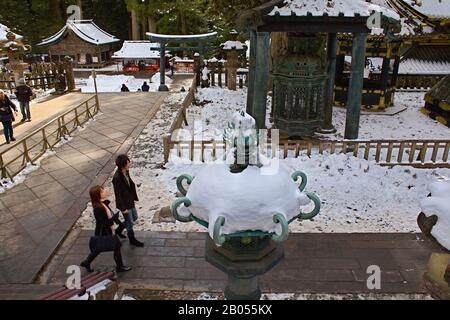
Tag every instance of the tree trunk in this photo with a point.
(151, 24)
(79, 4)
(134, 26)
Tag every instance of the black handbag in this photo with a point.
(104, 243)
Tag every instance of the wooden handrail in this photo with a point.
(61, 132)
(430, 153)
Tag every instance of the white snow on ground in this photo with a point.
(357, 195)
(93, 291)
(41, 95)
(216, 107)
(324, 296)
(409, 124)
(439, 204)
(106, 83)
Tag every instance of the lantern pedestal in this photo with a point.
(243, 270)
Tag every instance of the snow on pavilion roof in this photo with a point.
(426, 60)
(86, 30)
(137, 50)
(4, 30)
(333, 8)
(438, 9)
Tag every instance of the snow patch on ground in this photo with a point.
(439, 204)
(357, 195)
(106, 83)
(409, 124)
(324, 296)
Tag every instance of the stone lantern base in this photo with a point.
(244, 260)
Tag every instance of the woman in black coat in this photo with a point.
(7, 117)
(105, 233)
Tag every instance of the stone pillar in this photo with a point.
(162, 68)
(261, 79)
(251, 71)
(355, 86)
(232, 64)
(327, 126)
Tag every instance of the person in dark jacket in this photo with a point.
(7, 116)
(126, 196)
(124, 88)
(24, 94)
(104, 226)
(145, 87)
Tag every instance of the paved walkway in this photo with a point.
(314, 263)
(36, 215)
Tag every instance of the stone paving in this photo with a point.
(314, 263)
(36, 215)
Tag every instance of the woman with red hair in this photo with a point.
(106, 236)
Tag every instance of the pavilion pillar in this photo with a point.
(395, 71)
(355, 87)
(251, 71)
(162, 68)
(327, 126)
(384, 82)
(261, 79)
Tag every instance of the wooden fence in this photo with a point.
(28, 150)
(416, 153)
(180, 117)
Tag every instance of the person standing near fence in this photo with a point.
(126, 196)
(24, 94)
(7, 116)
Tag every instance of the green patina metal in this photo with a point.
(299, 81)
(180, 180)
(246, 254)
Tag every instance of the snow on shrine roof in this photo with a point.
(4, 30)
(137, 50)
(230, 45)
(348, 8)
(86, 30)
(439, 9)
(426, 60)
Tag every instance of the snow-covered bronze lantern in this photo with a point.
(247, 202)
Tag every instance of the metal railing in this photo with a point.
(416, 153)
(29, 149)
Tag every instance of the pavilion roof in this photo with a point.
(331, 8)
(426, 59)
(313, 16)
(433, 9)
(138, 50)
(86, 30)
